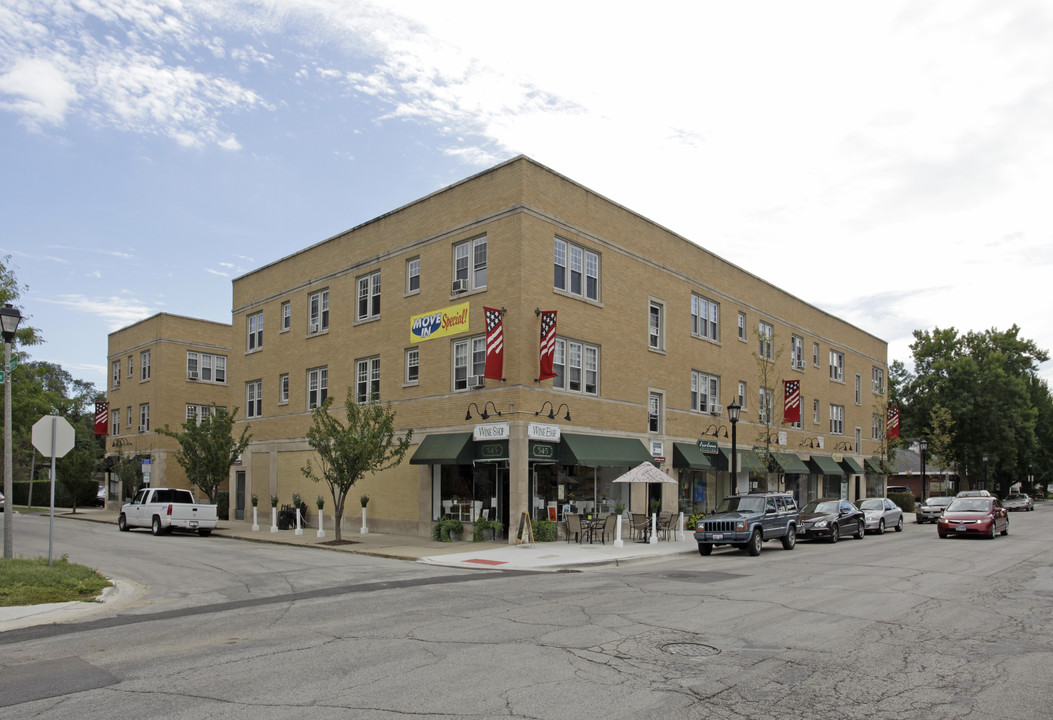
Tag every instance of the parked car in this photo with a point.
(3, 504)
(973, 493)
(897, 489)
(165, 509)
(1018, 501)
(100, 498)
(881, 513)
(983, 516)
(829, 519)
(746, 521)
(931, 509)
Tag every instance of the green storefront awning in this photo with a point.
(687, 455)
(446, 449)
(790, 463)
(748, 460)
(873, 466)
(825, 465)
(850, 465)
(602, 451)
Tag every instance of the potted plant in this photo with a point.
(619, 507)
(255, 500)
(654, 506)
(296, 500)
(364, 500)
(447, 530)
(487, 530)
(274, 501)
(454, 529)
(320, 502)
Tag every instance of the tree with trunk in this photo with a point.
(366, 443)
(208, 448)
(767, 357)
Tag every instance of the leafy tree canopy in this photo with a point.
(208, 448)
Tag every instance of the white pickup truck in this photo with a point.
(165, 509)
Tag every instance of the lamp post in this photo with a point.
(733, 415)
(985, 471)
(922, 446)
(9, 319)
(1031, 477)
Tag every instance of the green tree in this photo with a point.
(128, 468)
(940, 438)
(346, 452)
(78, 470)
(767, 359)
(208, 448)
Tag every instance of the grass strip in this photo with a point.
(29, 581)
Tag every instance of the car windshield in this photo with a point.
(1015, 497)
(741, 504)
(872, 504)
(826, 507)
(937, 501)
(970, 505)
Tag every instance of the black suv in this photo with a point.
(746, 521)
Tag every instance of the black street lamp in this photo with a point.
(923, 445)
(985, 471)
(733, 415)
(9, 319)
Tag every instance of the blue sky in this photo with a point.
(888, 162)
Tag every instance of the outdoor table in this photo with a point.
(589, 527)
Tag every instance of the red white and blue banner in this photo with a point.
(892, 423)
(102, 418)
(792, 407)
(548, 344)
(495, 344)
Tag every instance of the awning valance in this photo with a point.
(790, 463)
(602, 451)
(748, 460)
(825, 465)
(687, 455)
(850, 466)
(445, 449)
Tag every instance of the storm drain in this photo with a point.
(690, 649)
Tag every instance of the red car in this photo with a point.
(983, 516)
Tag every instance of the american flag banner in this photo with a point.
(102, 418)
(548, 344)
(495, 344)
(892, 423)
(792, 409)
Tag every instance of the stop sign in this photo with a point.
(53, 427)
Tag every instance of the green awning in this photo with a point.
(873, 466)
(850, 466)
(602, 451)
(825, 465)
(790, 463)
(687, 455)
(748, 460)
(448, 449)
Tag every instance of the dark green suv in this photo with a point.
(746, 521)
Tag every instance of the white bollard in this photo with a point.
(680, 528)
(618, 533)
(255, 519)
(274, 519)
(299, 530)
(365, 530)
(654, 535)
(321, 532)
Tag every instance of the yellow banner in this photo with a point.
(439, 323)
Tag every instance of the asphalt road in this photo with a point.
(898, 626)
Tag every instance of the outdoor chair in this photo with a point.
(665, 524)
(574, 527)
(638, 525)
(608, 528)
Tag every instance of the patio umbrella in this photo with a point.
(645, 472)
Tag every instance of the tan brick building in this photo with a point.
(655, 336)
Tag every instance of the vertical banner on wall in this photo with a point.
(548, 344)
(892, 423)
(792, 406)
(102, 418)
(495, 344)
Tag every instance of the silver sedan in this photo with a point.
(881, 513)
(1018, 501)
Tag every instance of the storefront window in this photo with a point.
(468, 492)
(560, 489)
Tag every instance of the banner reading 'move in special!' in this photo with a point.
(439, 323)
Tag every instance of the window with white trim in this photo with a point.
(317, 386)
(837, 419)
(797, 352)
(815, 354)
(654, 412)
(741, 397)
(318, 312)
(368, 297)
(130, 371)
(206, 367)
(764, 412)
(255, 329)
(367, 379)
(413, 276)
(469, 263)
(144, 366)
(859, 389)
(144, 417)
(837, 366)
(742, 327)
(197, 411)
(254, 399)
(577, 367)
(577, 270)
(469, 359)
(705, 392)
(655, 323)
(116, 374)
(877, 427)
(115, 422)
(765, 332)
(858, 445)
(815, 412)
(705, 318)
(877, 380)
(413, 366)
(286, 319)
(129, 421)
(283, 389)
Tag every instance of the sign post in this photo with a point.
(53, 437)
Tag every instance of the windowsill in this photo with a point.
(414, 383)
(708, 339)
(282, 403)
(660, 351)
(316, 334)
(254, 350)
(366, 321)
(410, 293)
(284, 330)
(466, 293)
(572, 296)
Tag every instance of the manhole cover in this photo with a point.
(690, 649)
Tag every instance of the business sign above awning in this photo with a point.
(491, 431)
(542, 431)
(439, 323)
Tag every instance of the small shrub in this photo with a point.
(544, 530)
(223, 504)
(904, 500)
(442, 529)
(693, 519)
(481, 526)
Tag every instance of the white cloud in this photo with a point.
(39, 91)
(116, 312)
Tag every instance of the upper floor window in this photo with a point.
(877, 427)
(877, 379)
(469, 360)
(413, 276)
(742, 326)
(705, 392)
(318, 312)
(705, 317)
(469, 265)
(741, 397)
(837, 365)
(144, 417)
(254, 398)
(837, 419)
(654, 413)
(368, 297)
(255, 328)
(197, 412)
(367, 379)
(413, 366)
(130, 372)
(797, 352)
(144, 365)
(764, 411)
(577, 366)
(815, 354)
(206, 367)
(859, 389)
(765, 332)
(116, 374)
(317, 386)
(115, 422)
(283, 389)
(655, 322)
(577, 270)
(286, 319)
(815, 412)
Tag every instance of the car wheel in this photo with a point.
(155, 526)
(899, 525)
(122, 523)
(835, 533)
(204, 532)
(862, 531)
(994, 532)
(1006, 531)
(753, 547)
(705, 549)
(943, 536)
(789, 540)
(881, 527)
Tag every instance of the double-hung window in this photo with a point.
(837, 419)
(877, 427)
(205, 367)
(367, 379)
(413, 366)
(815, 412)
(765, 332)
(742, 326)
(469, 264)
(116, 374)
(577, 270)
(837, 366)
(705, 392)
(655, 322)
(115, 418)
(764, 412)
(144, 417)
(254, 399)
(654, 413)
(318, 312)
(413, 276)
(577, 366)
(283, 389)
(705, 318)
(469, 359)
(144, 366)
(369, 297)
(317, 386)
(797, 352)
(130, 370)
(741, 398)
(859, 389)
(286, 318)
(815, 354)
(255, 327)
(877, 380)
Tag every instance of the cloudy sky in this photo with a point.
(890, 162)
